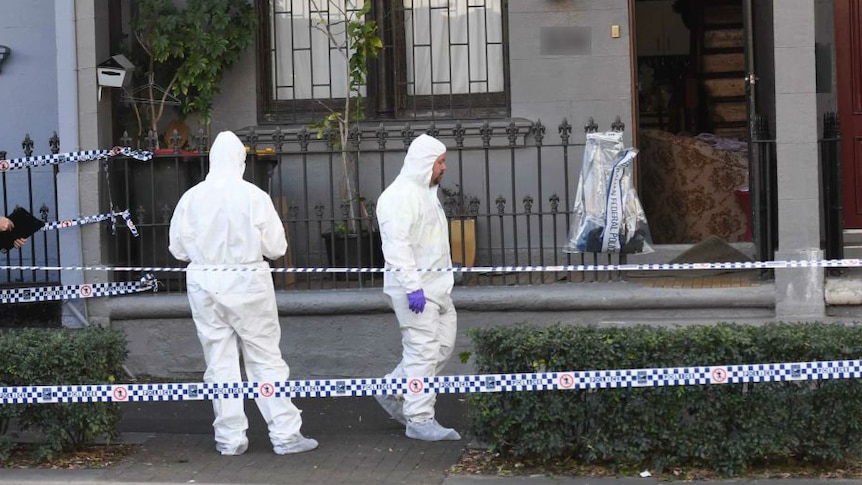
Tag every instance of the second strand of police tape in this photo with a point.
(541, 381)
(785, 264)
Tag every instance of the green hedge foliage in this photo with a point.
(33, 357)
(726, 428)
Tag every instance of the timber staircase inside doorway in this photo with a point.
(719, 45)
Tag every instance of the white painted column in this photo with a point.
(91, 21)
(799, 292)
(74, 311)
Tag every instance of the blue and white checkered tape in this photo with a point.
(519, 382)
(72, 157)
(126, 215)
(87, 290)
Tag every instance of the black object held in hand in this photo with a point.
(25, 226)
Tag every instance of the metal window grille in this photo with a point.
(455, 57)
(441, 59)
(310, 49)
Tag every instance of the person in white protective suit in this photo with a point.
(227, 221)
(415, 234)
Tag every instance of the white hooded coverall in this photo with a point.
(226, 220)
(415, 234)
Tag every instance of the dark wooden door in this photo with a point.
(848, 63)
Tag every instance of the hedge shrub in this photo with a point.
(35, 356)
(726, 428)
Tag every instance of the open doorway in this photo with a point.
(692, 126)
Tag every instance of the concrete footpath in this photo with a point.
(359, 444)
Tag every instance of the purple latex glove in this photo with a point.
(416, 301)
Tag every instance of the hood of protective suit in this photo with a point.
(419, 162)
(227, 157)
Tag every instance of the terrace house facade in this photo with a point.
(725, 99)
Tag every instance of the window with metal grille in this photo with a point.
(442, 59)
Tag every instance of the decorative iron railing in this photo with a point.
(509, 189)
(34, 189)
(832, 235)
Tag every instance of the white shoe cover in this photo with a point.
(229, 450)
(394, 406)
(431, 431)
(300, 445)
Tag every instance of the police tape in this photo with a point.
(68, 292)
(127, 218)
(72, 294)
(788, 264)
(454, 384)
(72, 157)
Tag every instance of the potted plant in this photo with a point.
(186, 52)
(345, 249)
(356, 39)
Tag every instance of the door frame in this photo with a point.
(849, 103)
(763, 211)
(633, 71)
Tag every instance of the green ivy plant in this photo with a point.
(188, 50)
(215, 34)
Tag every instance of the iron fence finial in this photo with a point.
(54, 143)
(565, 130)
(538, 130)
(381, 134)
(458, 132)
(27, 145)
(486, 131)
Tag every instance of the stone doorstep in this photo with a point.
(703, 282)
(843, 291)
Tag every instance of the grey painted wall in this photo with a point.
(236, 106)
(28, 81)
(595, 83)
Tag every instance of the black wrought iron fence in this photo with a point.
(508, 190)
(832, 235)
(35, 189)
(764, 191)
(765, 197)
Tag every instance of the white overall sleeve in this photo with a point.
(396, 231)
(176, 233)
(272, 238)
